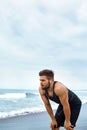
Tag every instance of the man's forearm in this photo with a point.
(50, 111)
(67, 112)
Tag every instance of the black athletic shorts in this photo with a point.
(59, 115)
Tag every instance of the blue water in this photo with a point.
(15, 102)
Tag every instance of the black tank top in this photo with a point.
(72, 97)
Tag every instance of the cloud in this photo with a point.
(43, 20)
(42, 34)
(82, 13)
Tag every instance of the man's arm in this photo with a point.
(46, 103)
(66, 108)
(48, 108)
(62, 92)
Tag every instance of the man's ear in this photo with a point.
(51, 80)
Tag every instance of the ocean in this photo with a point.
(15, 102)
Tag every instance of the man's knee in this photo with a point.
(57, 128)
(72, 129)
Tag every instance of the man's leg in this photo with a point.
(56, 129)
(75, 114)
(72, 129)
(59, 115)
(59, 128)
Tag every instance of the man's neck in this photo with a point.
(51, 86)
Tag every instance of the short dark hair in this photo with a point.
(47, 72)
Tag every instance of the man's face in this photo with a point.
(44, 82)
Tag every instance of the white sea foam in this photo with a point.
(12, 95)
(21, 112)
(31, 110)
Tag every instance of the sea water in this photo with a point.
(14, 102)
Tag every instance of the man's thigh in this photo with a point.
(59, 115)
(75, 114)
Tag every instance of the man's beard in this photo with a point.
(48, 86)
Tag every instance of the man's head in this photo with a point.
(48, 73)
(46, 78)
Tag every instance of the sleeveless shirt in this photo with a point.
(72, 97)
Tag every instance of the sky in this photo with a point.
(43, 34)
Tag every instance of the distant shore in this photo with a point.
(39, 121)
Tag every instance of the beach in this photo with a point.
(39, 121)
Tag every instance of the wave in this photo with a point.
(17, 95)
(25, 111)
(21, 112)
(31, 94)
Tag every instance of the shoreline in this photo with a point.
(39, 121)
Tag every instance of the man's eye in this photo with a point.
(42, 80)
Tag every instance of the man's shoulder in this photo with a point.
(60, 89)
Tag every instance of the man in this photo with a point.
(69, 104)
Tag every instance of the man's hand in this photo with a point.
(53, 124)
(68, 126)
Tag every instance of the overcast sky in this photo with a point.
(39, 34)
